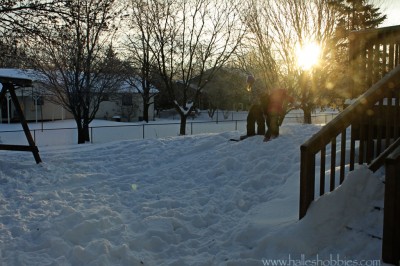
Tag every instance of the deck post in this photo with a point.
(391, 219)
(307, 180)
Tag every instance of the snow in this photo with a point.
(184, 109)
(182, 200)
(15, 73)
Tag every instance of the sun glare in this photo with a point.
(308, 55)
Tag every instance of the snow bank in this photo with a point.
(344, 225)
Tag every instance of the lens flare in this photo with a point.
(308, 55)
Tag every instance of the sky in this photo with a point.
(199, 200)
(392, 9)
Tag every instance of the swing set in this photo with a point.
(10, 84)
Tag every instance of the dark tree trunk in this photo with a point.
(81, 135)
(307, 115)
(86, 132)
(83, 131)
(146, 112)
(182, 130)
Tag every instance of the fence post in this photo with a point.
(143, 130)
(91, 135)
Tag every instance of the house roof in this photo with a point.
(14, 76)
(135, 85)
(13, 73)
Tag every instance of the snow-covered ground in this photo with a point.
(182, 200)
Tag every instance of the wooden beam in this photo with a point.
(9, 147)
(20, 82)
(380, 160)
(8, 85)
(391, 219)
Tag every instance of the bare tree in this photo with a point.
(17, 19)
(278, 27)
(24, 15)
(188, 38)
(75, 63)
(140, 53)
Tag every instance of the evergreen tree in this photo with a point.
(355, 15)
(352, 15)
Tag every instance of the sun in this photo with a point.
(308, 55)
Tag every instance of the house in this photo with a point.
(124, 105)
(32, 100)
(127, 104)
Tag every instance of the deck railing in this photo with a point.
(371, 121)
(373, 53)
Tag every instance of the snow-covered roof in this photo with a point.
(17, 73)
(135, 85)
